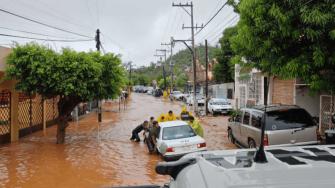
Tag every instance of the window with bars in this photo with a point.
(255, 88)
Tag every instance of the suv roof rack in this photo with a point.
(272, 106)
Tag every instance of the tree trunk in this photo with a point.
(65, 107)
(61, 127)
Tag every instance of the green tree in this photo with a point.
(290, 39)
(72, 76)
(161, 82)
(223, 71)
(181, 81)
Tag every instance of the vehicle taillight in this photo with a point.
(266, 140)
(202, 145)
(170, 149)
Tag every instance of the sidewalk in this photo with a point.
(216, 132)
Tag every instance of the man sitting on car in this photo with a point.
(170, 116)
(161, 118)
(184, 114)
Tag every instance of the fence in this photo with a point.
(5, 101)
(30, 113)
(326, 109)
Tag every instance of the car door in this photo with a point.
(245, 128)
(235, 126)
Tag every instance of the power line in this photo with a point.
(54, 40)
(218, 27)
(47, 25)
(225, 25)
(209, 21)
(50, 11)
(29, 32)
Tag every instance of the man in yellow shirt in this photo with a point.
(195, 124)
(170, 116)
(161, 118)
(184, 114)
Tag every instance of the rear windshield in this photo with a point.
(177, 132)
(288, 119)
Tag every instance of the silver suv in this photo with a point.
(285, 125)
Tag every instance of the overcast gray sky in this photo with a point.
(132, 28)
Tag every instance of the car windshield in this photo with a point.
(288, 119)
(176, 92)
(177, 132)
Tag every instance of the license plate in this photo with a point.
(185, 148)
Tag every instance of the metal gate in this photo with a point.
(326, 109)
(5, 100)
(243, 96)
(30, 114)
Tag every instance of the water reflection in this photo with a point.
(94, 155)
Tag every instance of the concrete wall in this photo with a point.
(221, 90)
(305, 99)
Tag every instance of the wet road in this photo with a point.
(94, 156)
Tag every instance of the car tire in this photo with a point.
(231, 136)
(251, 143)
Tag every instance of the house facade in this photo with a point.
(250, 90)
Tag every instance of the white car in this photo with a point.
(286, 167)
(200, 99)
(219, 106)
(177, 95)
(177, 138)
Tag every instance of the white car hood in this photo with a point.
(311, 167)
(221, 106)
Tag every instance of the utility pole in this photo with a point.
(130, 69)
(164, 73)
(98, 44)
(163, 69)
(192, 27)
(206, 46)
(171, 45)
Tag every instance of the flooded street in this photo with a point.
(95, 156)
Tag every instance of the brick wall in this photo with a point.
(283, 91)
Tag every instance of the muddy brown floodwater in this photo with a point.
(93, 156)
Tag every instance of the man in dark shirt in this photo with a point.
(137, 130)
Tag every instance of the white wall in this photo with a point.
(306, 100)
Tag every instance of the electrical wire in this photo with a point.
(29, 32)
(47, 25)
(225, 25)
(55, 40)
(49, 11)
(218, 27)
(212, 18)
